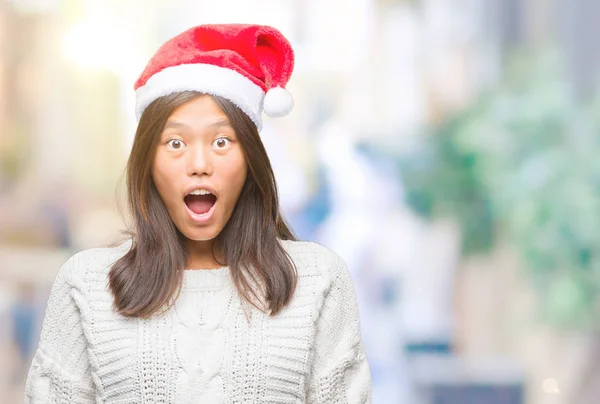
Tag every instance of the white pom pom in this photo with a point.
(278, 102)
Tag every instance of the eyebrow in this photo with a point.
(171, 124)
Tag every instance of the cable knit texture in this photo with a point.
(202, 350)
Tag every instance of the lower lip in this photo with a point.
(203, 218)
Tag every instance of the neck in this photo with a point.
(200, 255)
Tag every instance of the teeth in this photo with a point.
(199, 192)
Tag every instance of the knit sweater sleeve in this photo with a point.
(339, 371)
(60, 371)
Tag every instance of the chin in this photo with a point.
(201, 234)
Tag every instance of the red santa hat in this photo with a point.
(247, 64)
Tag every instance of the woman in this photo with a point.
(212, 300)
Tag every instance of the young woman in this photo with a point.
(212, 300)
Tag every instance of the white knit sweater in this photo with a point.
(203, 350)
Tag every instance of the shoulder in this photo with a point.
(310, 257)
(93, 261)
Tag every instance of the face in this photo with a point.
(199, 168)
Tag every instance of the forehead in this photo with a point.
(199, 112)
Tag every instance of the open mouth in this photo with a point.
(200, 201)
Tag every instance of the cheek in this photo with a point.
(164, 179)
(239, 173)
(242, 173)
(235, 174)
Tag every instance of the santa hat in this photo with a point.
(247, 64)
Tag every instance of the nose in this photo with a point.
(199, 161)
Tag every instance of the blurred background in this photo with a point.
(446, 149)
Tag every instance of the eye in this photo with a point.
(175, 144)
(221, 142)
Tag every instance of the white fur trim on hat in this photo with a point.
(205, 78)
